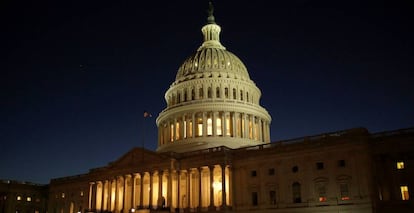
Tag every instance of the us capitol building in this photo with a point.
(214, 154)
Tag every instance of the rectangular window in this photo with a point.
(255, 200)
(400, 165)
(185, 129)
(272, 171)
(254, 173)
(341, 163)
(199, 126)
(404, 193)
(343, 187)
(19, 197)
(172, 132)
(177, 130)
(190, 129)
(319, 165)
(209, 126)
(218, 124)
(272, 197)
(29, 199)
(228, 126)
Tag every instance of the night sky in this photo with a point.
(77, 76)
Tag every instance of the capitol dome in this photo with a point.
(212, 102)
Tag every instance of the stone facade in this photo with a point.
(22, 197)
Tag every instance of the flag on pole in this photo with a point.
(147, 114)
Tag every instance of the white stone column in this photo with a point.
(194, 123)
(214, 123)
(90, 194)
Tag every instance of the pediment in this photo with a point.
(137, 156)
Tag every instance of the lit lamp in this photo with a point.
(132, 210)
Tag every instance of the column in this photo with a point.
(193, 125)
(189, 193)
(160, 197)
(90, 194)
(211, 207)
(134, 183)
(234, 124)
(204, 124)
(141, 197)
(223, 186)
(169, 190)
(178, 188)
(246, 126)
(150, 190)
(214, 123)
(200, 198)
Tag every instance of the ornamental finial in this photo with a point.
(210, 18)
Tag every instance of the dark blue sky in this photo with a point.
(77, 76)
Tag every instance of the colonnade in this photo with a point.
(194, 188)
(204, 124)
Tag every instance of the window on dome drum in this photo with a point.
(234, 93)
(200, 93)
(171, 132)
(343, 188)
(209, 126)
(218, 124)
(218, 92)
(341, 163)
(199, 130)
(296, 192)
(255, 200)
(238, 126)
(226, 92)
(184, 129)
(241, 95)
(192, 94)
(404, 192)
(400, 165)
(209, 93)
(271, 171)
(190, 129)
(178, 97)
(228, 126)
(319, 166)
(185, 95)
(177, 130)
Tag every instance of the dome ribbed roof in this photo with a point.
(212, 58)
(209, 60)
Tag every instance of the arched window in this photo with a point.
(247, 96)
(209, 93)
(185, 95)
(178, 97)
(234, 93)
(200, 93)
(241, 95)
(218, 92)
(226, 92)
(296, 193)
(192, 94)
